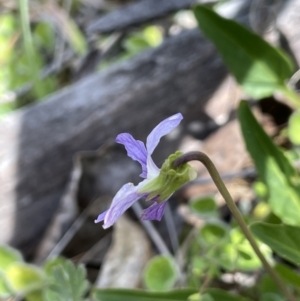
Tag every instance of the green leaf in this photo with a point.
(161, 273)
(271, 297)
(5, 292)
(75, 36)
(24, 278)
(44, 36)
(213, 233)
(135, 44)
(282, 239)
(35, 296)
(205, 297)
(260, 189)
(205, 207)
(288, 275)
(8, 30)
(260, 68)
(274, 169)
(199, 265)
(139, 295)
(239, 255)
(220, 295)
(294, 127)
(68, 282)
(52, 263)
(8, 256)
(153, 35)
(261, 211)
(267, 285)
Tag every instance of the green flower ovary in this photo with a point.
(169, 179)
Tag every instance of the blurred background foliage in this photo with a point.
(42, 43)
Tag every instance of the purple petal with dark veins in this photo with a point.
(135, 149)
(162, 129)
(125, 197)
(101, 217)
(154, 212)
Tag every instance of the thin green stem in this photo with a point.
(204, 159)
(33, 59)
(25, 23)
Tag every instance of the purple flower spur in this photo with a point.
(158, 184)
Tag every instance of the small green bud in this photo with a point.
(169, 179)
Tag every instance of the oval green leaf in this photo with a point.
(8, 256)
(288, 275)
(274, 168)
(23, 278)
(282, 239)
(204, 207)
(260, 68)
(239, 255)
(212, 233)
(5, 292)
(161, 273)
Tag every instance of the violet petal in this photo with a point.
(163, 128)
(152, 169)
(101, 217)
(154, 212)
(125, 197)
(136, 150)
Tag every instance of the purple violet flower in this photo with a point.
(157, 186)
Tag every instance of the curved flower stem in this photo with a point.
(204, 159)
